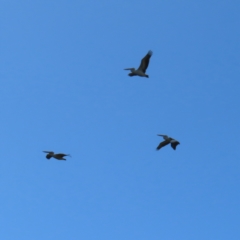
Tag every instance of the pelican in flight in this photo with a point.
(141, 71)
(58, 156)
(166, 141)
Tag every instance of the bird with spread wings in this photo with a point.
(141, 71)
(58, 156)
(166, 141)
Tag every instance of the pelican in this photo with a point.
(142, 68)
(166, 141)
(58, 156)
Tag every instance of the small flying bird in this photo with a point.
(166, 141)
(142, 68)
(58, 156)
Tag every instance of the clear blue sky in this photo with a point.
(63, 88)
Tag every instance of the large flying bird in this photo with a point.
(58, 156)
(166, 141)
(141, 71)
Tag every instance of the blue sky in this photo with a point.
(63, 88)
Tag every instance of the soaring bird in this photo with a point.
(142, 68)
(166, 141)
(58, 156)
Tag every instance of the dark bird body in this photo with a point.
(141, 71)
(58, 156)
(166, 141)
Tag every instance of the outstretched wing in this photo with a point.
(162, 144)
(174, 144)
(49, 152)
(145, 61)
(62, 155)
(162, 135)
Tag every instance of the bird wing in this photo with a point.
(162, 135)
(49, 152)
(145, 61)
(61, 155)
(174, 144)
(162, 144)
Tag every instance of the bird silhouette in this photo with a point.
(166, 141)
(58, 156)
(141, 71)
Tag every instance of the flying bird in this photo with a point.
(166, 141)
(58, 156)
(141, 71)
